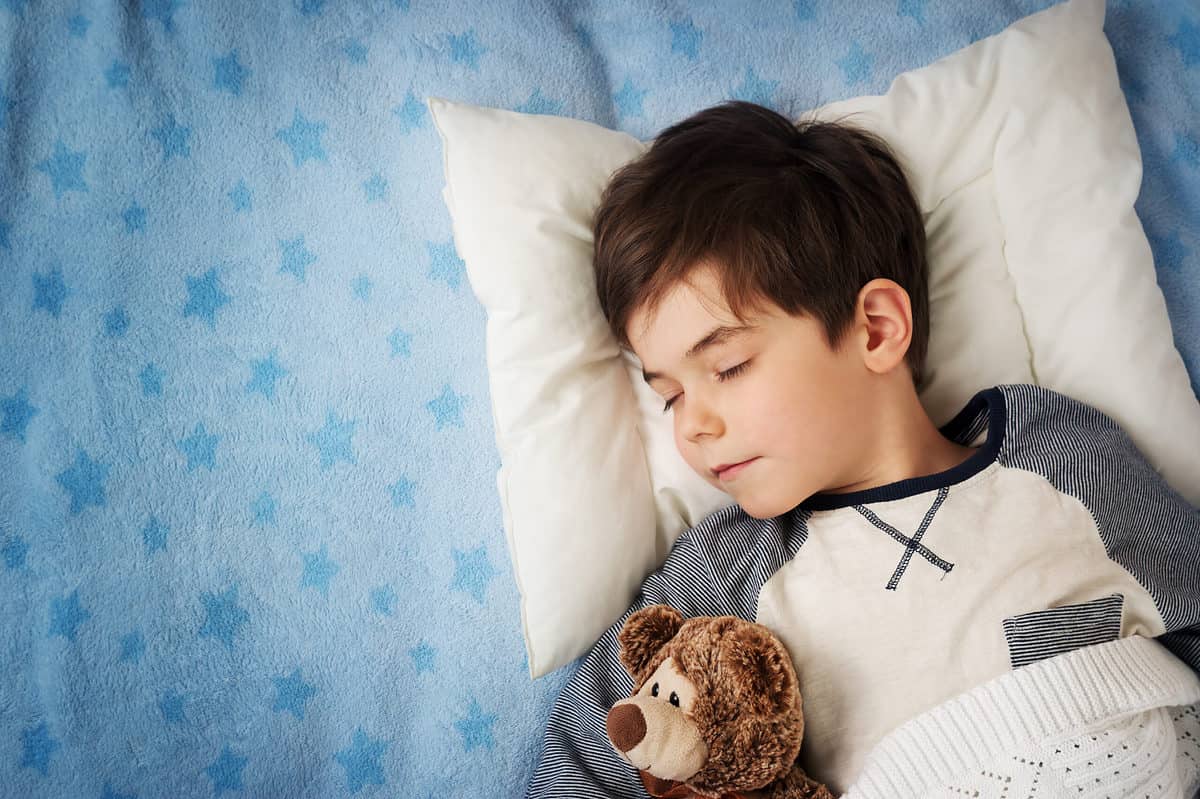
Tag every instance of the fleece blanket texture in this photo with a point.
(250, 542)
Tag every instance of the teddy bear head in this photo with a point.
(716, 704)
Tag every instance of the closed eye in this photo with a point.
(728, 374)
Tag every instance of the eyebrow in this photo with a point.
(718, 335)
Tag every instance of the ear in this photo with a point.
(884, 314)
(644, 633)
(762, 670)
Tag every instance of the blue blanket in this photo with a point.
(250, 542)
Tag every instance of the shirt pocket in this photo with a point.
(1045, 633)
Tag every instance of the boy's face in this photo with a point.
(775, 395)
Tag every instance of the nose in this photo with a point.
(626, 726)
(697, 418)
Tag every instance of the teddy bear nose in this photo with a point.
(626, 726)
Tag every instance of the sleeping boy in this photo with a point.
(771, 278)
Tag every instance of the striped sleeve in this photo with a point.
(1146, 526)
(716, 568)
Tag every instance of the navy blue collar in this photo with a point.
(985, 407)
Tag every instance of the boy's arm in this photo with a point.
(578, 762)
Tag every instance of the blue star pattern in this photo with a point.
(318, 570)
(1169, 250)
(65, 169)
(411, 113)
(356, 51)
(629, 99)
(14, 551)
(333, 441)
(361, 761)
(84, 481)
(805, 9)
(111, 793)
(226, 771)
(362, 287)
(265, 374)
(116, 322)
(856, 65)
(205, 297)
(171, 707)
(755, 89)
(1187, 150)
(465, 49)
(37, 747)
(402, 493)
(223, 616)
(133, 646)
(476, 728)
(154, 536)
(135, 218)
(264, 509)
(292, 694)
(472, 573)
(444, 263)
(173, 138)
(161, 10)
(686, 38)
(240, 196)
(914, 9)
(383, 599)
(151, 378)
(66, 615)
(423, 655)
(229, 74)
(1187, 41)
(303, 137)
(200, 448)
(49, 291)
(117, 75)
(540, 104)
(376, 188)
(17, 413)
(447, 408)
(296, 257)
(5, 228)
(400, 342)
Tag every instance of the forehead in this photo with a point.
(688, 309)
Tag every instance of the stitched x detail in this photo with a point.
(913, 544)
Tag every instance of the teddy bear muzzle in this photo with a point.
(654, 735)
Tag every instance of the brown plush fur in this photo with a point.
(748, 704)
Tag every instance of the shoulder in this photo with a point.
(1041, 420)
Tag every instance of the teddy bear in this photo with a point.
(716, 709)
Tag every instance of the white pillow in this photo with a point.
(1022, 155)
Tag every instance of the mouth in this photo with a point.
(727, 471)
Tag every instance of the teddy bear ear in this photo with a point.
(644, 633)
(761, 669)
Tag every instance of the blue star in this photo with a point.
(37, 746)
(401, 4)
(333, 440)
(444, 263)
(402, 492)
(856, 66)
(629, 99)
(173, 137)
(226, 771)
(476, 728)
(133, 646)
(66, 615)
(304, 138)
(464, 49)
(318, 570)
(411, 113)
(14, 551)
(362, 287)
(5, 105)
(205, 297)
(805, 9)
(1187, 41)
(135, 218)
(538, 104)
(472, 572)
(356, 51)
(1187, 150)
(110, 793)
(117, 75)
(296, 257)
(78, 25)
(376, 187)
(200, 448)
(154, 536)
(756, 90)
(686, 38)
(312, 8)
(422, 655)
(224, 616)
(447, 407)
(361, 761)
(5, 228)
(240, 194)
(264, 509)
(162, 10)
(49, 291)
(17, 413)
(65, 168)
(583, 35)
(383, 598)
(151, 377)
(264, 377)
(116, 322)
(171, 706)
(84, 481)
(400, 341)
(17, 7)
(229, 74)
(1169, 250)
(914, 9)
(293, 693)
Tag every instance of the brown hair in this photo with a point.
(802, 215)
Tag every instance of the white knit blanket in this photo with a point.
(1120, 719)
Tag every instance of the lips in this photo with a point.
(726, 471)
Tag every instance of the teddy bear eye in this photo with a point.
(675, 699)
(654, 690)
